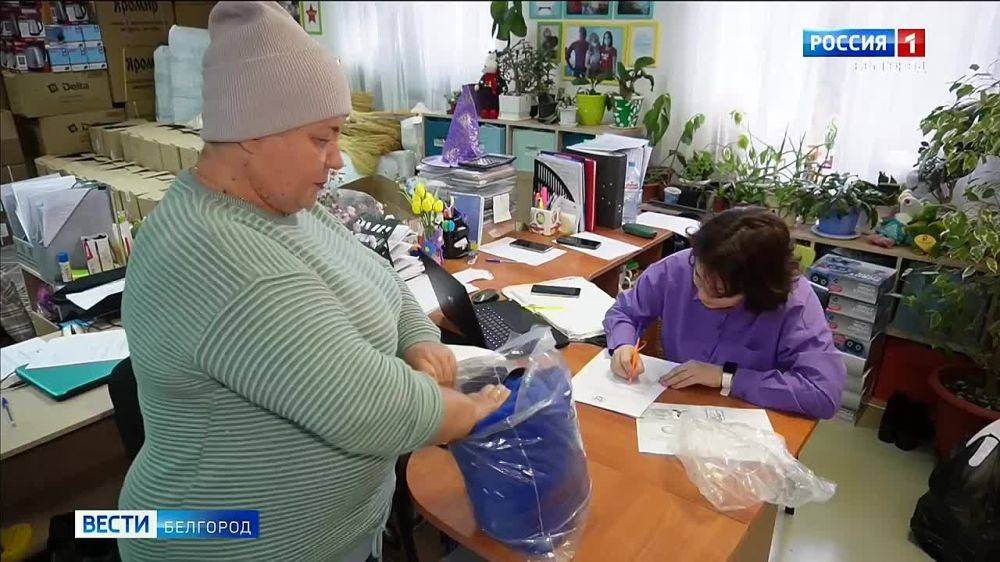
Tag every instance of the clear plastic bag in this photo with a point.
(524, 466)
(348, 205)
(736, 466)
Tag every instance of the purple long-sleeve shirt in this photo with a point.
(786, 356)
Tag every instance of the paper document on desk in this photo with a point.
(18, 355)
(580, 318)
(108, 345)
(678, 225)
(596, 385)
(610, 249)
(87, 299)
(423, 291)
(502, 249)
(657, 428)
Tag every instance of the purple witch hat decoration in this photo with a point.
(462, 143)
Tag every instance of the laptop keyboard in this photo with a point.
(496, 332)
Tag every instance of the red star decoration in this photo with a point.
(311, 12)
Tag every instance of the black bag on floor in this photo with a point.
(959, 518)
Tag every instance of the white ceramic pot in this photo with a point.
(567, 116)
(515, 108)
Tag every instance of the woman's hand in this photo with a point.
(488, 399)
(434, 359)
(621, 363)
(692, 373)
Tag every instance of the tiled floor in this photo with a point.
(868, 519)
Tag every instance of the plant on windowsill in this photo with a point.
(626, 103)
(590, 103)
(517, 65)
(839, 201)
(543, 66)
(567, 109)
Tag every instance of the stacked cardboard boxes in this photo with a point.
(858, 311)
(14, 167)
(39, 36)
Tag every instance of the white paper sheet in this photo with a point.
(464, 352)
(610, 249)
(579, 318)
(472, 274)
(19, 354)
(84, 348)
(596, 385)
(501, 208)
(678, 225)
(657, 428)
(87, 299)
(424, 293)
(502, 249)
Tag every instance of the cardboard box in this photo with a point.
(139, 82)
(41, 95)
(110, 144)
(193, 14)
(128, 25)
(15, 172)
(852, 278)
(65, 134)
(26, 55)
(10, 141)
(866, 349)
(66, 35)
(859, 329)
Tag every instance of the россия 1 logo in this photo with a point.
(887, 42)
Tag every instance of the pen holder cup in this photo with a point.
(544, 222)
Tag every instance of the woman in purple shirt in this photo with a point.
(737, 316)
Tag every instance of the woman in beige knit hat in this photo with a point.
(281, 366)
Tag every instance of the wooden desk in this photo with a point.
(643, 507)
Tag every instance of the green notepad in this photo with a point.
(65, 381)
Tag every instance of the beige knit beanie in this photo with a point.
(265, 75)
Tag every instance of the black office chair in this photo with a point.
(125, 399)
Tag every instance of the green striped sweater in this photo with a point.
(266, 351)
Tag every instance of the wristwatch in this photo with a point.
(728, 372)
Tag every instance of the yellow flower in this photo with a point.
(427, 205)
(438, 206)
(415, 207)
(420, 190)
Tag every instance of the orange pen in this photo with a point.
(634, 363)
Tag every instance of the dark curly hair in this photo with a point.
(750, 250)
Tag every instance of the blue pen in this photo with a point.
(6, 408)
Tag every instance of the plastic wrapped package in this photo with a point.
(524, 465)
(462, 143)
(736, 466)
(187, 48)
(347, 205)
(161, 77)
(959, 516)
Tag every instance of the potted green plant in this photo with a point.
(508, 19)
(543, 64)
(590, 102)
(567, 110)
(517, 66)
(626, 103)
(960, 135)
(963, 136)
(839, 200)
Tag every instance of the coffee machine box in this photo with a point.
(852, 278)
(26, 55)
(41, 95)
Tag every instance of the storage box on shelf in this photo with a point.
(858, 311)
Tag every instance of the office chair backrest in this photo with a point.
(125, 399)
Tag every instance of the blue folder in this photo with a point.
(65, 381)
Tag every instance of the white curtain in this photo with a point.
(717, 57)
(409, 52)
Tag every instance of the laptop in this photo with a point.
(488, 325)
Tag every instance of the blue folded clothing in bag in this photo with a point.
(524, 465)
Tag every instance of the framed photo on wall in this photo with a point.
(576, 9)
(309, 15)
(633, 10)
(545, 10)
(549, 35)
(593, 48)
(643, 41)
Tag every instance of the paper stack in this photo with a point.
(579, 318)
